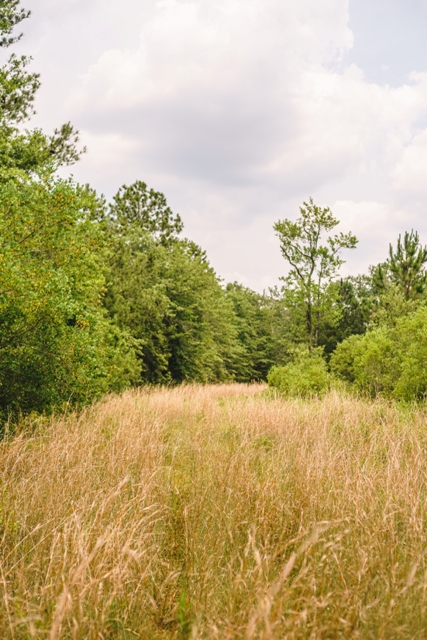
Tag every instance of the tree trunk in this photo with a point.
(309, 321)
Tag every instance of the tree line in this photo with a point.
(368, 332)
(98, 296)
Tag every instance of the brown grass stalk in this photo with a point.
(216, 512)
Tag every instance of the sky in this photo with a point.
(240, 110)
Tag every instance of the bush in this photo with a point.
(56, 344)
(367, 362)
(306, 375)
(388, 361)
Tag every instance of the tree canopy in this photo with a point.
(313, 265)
(97, 296)
(31, 150)
(55, 343)
(405, 267)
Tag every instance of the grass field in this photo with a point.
(216, 512)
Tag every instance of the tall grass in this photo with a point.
(216, 512)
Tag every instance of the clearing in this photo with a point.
(216, 512)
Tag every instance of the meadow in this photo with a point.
(216, 512)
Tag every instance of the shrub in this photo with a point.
(306, 375)
(367, 362)
(391, 361)
(56, 343)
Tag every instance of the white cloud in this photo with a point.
(238, 110)
(410, 173)
(239, 91)
(106, 152)
(369, 220)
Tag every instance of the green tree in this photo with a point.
(170, 300)
(313, 265)
(17, 85)
(355, 300)
(55, 341)
(255, 322)
(163, 291)
(405, 268)
(367, 362)
(144, 210)
(29, 150)
(10, 16)
(389, 360)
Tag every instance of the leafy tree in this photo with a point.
(255, 322)
(405, 268)
(145, 211)
(171, 302)
(313, 265)
(31, 150)
(17, 91)
(202, 332)
(407, 265)
(10, 16)
(391, 305)
(367, 362)
(388, 360)
(164, 292)
(38, 153)
(391, 358)
(55, 341)
(355, 299)
(286, 322)
(17, 85)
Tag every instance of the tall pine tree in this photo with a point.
(405, 267)
(33, 150)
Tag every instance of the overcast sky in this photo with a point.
(238, 110)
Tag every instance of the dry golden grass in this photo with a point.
(216, 512)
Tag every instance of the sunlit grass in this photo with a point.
(216, 512)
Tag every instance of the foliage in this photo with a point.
(255, 322)
(367, 362)
(30, 150)
(410, 338)
(141, 210)
(305, 375)
(388, 360)
(55, 342)
(391, 305)
(354, 303)
(313, 265)
(163, 291)
(37, 153)
(405, 268)
(10, 16)
(17, 86)
(17, 90)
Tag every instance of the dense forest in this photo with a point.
(98, 296)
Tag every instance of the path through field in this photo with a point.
(216, 512)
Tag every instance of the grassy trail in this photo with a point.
(216, 512)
